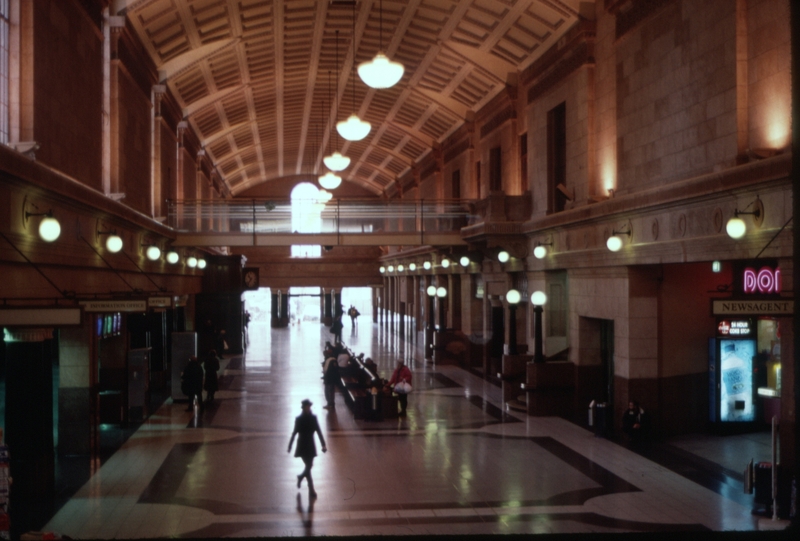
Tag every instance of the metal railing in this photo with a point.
(338, 216)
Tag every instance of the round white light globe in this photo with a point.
(49, 229)
(114, 243)
(445, 263)
(614, 243)
(201, 263)
(441, 292)
(192, 262)
(538, 298)
(426, 265)
(412, 267)
(431, 291)
(173, 257)
(382, 270)
(503, 257)
(513, 296)
(153, 253)
(464, 261)
(736, 228)
(400, 268)
(391, 268)
(540, 252)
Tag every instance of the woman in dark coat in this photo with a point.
(306, 425)
(211, 366)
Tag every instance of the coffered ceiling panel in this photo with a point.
(262, 82)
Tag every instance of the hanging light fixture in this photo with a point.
(330, 181)
(353, 129)
(380, 72)
(335, 161)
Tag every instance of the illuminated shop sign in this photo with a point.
(764, 281)
(734, 327)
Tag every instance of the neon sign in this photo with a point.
(734, 328)
(766, 280)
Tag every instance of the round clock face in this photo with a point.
(251, 279)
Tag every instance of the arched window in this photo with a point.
(307, 204)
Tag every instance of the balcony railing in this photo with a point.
(269, 221)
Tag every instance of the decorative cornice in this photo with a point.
(581, 55)
(455, 151)
(497, 120)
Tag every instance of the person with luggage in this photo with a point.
(305, 426)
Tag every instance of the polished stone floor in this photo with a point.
(457, 464)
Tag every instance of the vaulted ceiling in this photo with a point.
(263, 82)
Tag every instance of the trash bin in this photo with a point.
(762, 484)
(601, 419)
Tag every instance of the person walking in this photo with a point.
(192, 383)
(211, 366)
(337, 327)
(401, 374)
(305, 425)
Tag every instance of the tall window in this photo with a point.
(495, 169)
(4, 78)
(557, 158)
(307, 205)
(456, 184)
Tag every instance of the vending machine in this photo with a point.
(731, 381)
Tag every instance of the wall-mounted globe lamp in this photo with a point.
(173, 257)
(412, 267)
(503, 256)
(391, 268)
(540, 250)
(400, 268)
(201, 263)
(736, 228)
(49, 228)
(445, 263)
(614, 242)
(382, 269)
(153, 252)
(464, 261)
(441, 293)
(113, 241)
(191, 261)
(426, 265)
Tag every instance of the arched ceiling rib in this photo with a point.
(251, 76)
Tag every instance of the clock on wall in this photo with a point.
(250, 277)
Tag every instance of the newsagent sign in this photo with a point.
(742, 307)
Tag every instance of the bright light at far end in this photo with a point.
(716, 266)
(614, 243)
(503, 257)
(153, 253)
(538, 298)
(49, 229)
(540, 252)
(736, 228)
(513, 296)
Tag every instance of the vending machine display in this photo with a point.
(731, 374)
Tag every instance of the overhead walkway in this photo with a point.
(351, 222)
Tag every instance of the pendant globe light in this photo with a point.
(353, 129)
(335, 161)
(380, 72)
(330, 181)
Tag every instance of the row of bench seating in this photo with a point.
(357, 381)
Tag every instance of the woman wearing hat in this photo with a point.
(306, 425)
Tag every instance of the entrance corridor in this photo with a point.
(457, 464)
